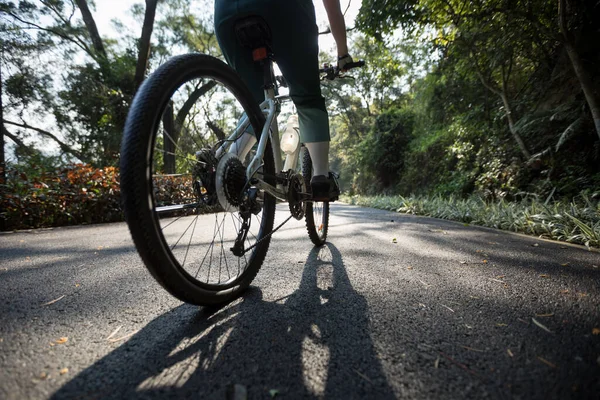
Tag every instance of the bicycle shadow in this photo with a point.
(314, 343)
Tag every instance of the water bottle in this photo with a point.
(290, 138)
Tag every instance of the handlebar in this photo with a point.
(332, 71)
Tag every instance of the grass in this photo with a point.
(576, 221)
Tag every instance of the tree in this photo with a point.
(90, 108)
(592, 95)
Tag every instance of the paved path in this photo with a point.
(447, 311)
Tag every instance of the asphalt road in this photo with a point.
(443, 311)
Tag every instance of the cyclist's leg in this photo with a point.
(240, 58)
(296, 47)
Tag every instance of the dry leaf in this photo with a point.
(472, 349)
(596, 331)
(54, 301)
(548, 363)
(409, 267)
(539, 324)
(447, 307)
(123, 337)
(62, 340)
(64, 371)
(114, 332)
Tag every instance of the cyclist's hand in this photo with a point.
(343, 60)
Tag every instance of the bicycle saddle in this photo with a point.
(254, 33)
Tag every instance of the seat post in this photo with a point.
(268, 76)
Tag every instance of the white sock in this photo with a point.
(242, 146)
(319, 153)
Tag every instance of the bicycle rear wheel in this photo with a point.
(185, 195)
(317, 213)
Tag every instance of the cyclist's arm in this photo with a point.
(337, 24)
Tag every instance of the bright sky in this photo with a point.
(107, 10)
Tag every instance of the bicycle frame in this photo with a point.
(270, 108)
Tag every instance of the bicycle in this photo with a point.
(179, 168)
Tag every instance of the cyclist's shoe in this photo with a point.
(325, 188)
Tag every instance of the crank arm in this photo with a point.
(262, 185)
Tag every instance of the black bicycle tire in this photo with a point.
(136, 160)
(313, 234)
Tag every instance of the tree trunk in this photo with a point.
(144, 43)
(90, 24)
(585, 80)
(511, 127)
(63, 146)
(169, 140)
(2, 156)
(18, 142)
(189, 103)
(216, 130)
(509, 116)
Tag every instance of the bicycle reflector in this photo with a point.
(259, 54)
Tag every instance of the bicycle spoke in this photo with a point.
(171, 223)
(188, 142)
(182, 235)
(190, 242)
(191, 161)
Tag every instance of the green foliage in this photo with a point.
(97, 99)
(76, 194)
(576, 221)
(381, 151)
(500, 112)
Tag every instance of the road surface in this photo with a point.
(395, 306)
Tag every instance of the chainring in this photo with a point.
(295, 196)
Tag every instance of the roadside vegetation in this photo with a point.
(485, 112)
(576, 221)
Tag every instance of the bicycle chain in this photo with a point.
(268, 235)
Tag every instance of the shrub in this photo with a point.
(76, 194)
(575, 221)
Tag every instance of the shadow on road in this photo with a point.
(315, 342)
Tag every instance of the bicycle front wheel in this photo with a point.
(317, 213)
(184, 189)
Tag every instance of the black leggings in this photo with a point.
(296, 49)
